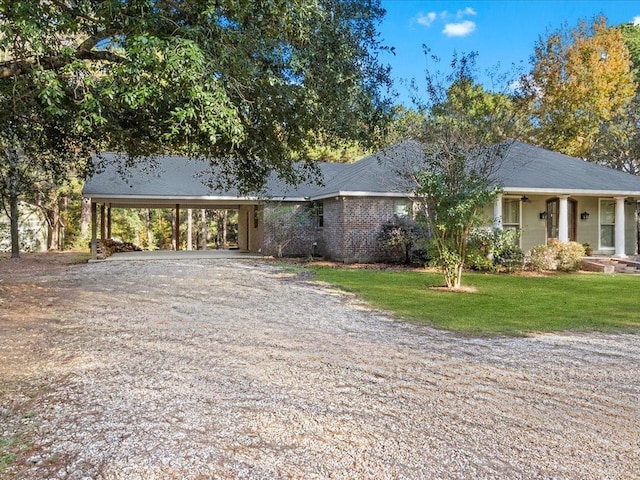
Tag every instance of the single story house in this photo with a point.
(545, 195)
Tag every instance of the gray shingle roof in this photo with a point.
(535, 168)
(525, 169)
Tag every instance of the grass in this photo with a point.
(501, 304)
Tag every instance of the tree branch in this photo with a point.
(15, 68)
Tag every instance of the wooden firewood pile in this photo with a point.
(109, 246)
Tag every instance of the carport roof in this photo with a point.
(524, 170)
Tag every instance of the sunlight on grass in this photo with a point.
(502, 304)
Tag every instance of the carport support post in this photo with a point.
(203, 226)
(176, 234)
(94, 230)
(103, 223)
(109, 221)
(189, 229)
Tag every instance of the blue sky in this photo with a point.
(502, 32)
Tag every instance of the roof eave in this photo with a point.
(573, 192)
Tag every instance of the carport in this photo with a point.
(169, 182)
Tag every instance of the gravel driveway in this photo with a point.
(235, 369)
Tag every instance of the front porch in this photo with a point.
(606, 224)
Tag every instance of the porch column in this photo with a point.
(563, 219)
(497, 213)
(94, 230)
(620, 228)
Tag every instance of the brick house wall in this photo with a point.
(349, 230)
(351, 227)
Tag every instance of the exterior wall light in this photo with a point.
(584, 216)
(543, 215)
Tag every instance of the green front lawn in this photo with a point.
(501, 304)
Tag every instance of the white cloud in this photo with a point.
(426, 19)
(461, 29)
(636, 20)
(466, 11)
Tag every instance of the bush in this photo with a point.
(398, 238)
(493, 249)
(510, 258)
(476, 259)
(557, 255)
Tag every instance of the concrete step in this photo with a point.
(612, 265)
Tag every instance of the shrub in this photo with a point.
(476, 259)
(542, 257)
(398, 237)
(557, 255)
(510, 258)
(492, 249)
(570, 256)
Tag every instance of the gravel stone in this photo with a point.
(236, 369)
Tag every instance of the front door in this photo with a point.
(553, 210)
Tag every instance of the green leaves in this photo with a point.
(250, 81)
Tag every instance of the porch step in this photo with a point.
(630, 266)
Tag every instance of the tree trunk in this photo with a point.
(15, 230)
(13, 188)
(63, 227)
(85, 217)
(53, 230)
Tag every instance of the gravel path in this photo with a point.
(223, 369)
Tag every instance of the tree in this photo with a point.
(631, 36)
(245, 84)
(618, 144)
(581, 84)
(406, 123)
(284, 223)
(461, 146)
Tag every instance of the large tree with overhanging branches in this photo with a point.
(248, 84)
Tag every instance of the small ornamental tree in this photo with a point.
(465, 137)
(284, 223)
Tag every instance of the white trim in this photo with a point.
(364, 194)
(511, 225)
(571, 192)
(600, 246)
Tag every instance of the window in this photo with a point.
(319, 208)
(607, 223)
(401, 208)
(511, 214)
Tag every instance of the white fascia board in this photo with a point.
(168, 199)
(572, 192)
(360, 194)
